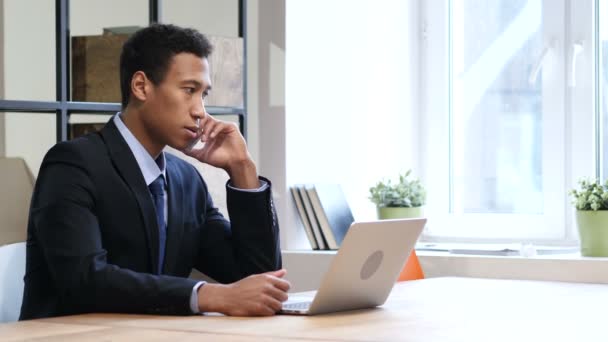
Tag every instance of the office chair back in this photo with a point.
(12, 270)
(16, 184)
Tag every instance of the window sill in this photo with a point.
(568, 267)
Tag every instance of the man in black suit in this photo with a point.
(116, 224)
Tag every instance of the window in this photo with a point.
(602, 76)
(509, 124)
(499, 105)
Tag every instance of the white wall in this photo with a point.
(252, 78)
(351, 99)
(2, 148)
(271, 103)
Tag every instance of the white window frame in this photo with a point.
(569, 148)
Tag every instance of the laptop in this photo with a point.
(364, 270)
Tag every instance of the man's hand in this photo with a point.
(225, 148)
(257, 295)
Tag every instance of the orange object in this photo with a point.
(412, 269)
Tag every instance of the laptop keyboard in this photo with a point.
(297, 306)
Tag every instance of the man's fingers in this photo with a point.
(275, 277)
(264, 307)
(212, 128)
(280, 283)
(273, 303)
(222, 128)
(196, 153)
(278, 273)
(217, 129)
(208, 129)
(276, 293)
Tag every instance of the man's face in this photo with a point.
(174, 105)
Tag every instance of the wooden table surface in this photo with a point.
(437, 309)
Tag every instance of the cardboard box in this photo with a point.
(226, 64)
(96, 68)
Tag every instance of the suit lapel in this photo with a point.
(127, 166)
(175, 220)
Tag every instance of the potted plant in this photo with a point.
(401, 199)
(591, 202)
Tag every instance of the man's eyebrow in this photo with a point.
(195, 82)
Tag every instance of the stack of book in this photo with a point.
(324, 213)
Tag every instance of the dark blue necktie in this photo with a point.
(157, 189)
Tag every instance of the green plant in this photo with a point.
(591, 196)
(404, 193)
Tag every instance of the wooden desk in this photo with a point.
(439, 309)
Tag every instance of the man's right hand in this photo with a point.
(257, 295)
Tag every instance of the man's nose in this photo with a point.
(198, 110)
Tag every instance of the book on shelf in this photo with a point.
(304, 217)
(332, 211)
(314, 222)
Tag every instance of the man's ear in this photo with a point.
(140, 86)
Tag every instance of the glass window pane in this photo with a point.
(27, 50)
(98, 29)
(28, 136)
(603, 75)
(212, 17)
(497, 106)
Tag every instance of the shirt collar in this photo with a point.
(149, 167)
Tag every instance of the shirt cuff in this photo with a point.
(194, 297)
(262, 188)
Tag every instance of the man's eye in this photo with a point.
(189, 90)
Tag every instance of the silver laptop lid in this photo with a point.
(367, 265)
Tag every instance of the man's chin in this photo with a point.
(180, 145)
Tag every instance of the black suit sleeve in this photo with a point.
(249, 244)
(68, 232)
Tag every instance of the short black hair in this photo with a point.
(151, 49)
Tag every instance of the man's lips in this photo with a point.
(194, 131)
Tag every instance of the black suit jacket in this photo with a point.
(92, 241)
